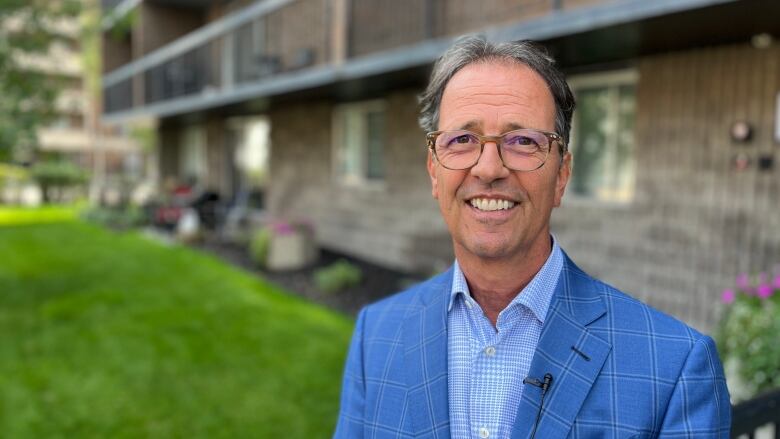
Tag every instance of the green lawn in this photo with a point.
(112, 335)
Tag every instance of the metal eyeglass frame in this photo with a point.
(551, 137)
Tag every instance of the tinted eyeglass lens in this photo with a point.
(458, 149)
(524, 149)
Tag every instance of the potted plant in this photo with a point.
(284, 245)
(748, 334)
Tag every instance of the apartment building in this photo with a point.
(75, 133)
(675, 141)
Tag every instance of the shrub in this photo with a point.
(116, 218)
(12, 172)
(57, 175)
(337, 277)
(747, 336)
(259, 245)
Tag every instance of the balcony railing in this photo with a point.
(271, 38)
(119, 96)
(184, 75)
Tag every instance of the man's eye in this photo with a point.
(463, 139)
(520, 140)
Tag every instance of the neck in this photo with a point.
(494, 283)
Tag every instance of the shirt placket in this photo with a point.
(485, 407)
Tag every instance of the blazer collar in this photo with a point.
(576, 304)
(567, 350)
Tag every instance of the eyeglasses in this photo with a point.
(519, 150)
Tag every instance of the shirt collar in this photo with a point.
(536, 296)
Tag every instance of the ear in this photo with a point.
(432, 173)
(564, 172)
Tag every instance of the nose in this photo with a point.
(490, 167)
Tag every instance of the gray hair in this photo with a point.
(471, 49)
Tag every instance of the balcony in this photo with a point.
(273, 47)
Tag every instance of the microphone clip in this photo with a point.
(544, 385)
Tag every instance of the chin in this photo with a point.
(488, 249)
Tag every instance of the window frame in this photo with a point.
(338, 140)
(611, 80)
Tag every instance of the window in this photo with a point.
(603, 137)
(193, 166)
(359, 139)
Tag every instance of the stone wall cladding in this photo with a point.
(379, 224)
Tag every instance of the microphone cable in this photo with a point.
(544, 385)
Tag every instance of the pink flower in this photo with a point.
(727, 296)
(743, 281)
(283, 228)
(764, 291)
(776, 282)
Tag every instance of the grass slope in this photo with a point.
(106, 335)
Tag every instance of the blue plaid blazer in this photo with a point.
(620, 369)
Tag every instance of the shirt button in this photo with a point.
(490, 351)
(484, 433)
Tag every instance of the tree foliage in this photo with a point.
(28, 30)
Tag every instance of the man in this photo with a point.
(515, 340)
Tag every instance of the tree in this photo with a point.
(28, 29)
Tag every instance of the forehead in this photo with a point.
(495, 94)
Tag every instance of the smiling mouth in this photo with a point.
(491, 204)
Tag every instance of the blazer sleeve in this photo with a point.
(353, 389)
(700, 405)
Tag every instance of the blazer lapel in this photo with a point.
(567, 350)
(425, 358)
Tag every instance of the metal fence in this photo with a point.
(756, 413)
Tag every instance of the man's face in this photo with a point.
(491, 98)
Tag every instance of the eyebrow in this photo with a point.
(474, 125)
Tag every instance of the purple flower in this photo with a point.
(727, 296)
(743, 281)
(764, 291)
(776, 282)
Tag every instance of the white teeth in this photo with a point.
(491, 204)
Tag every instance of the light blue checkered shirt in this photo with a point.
(487, 365)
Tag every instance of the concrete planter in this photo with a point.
(291, 251)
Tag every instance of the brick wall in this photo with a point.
(695, 222)
(116, 51)
(460, 16)
(296, 28)
(377, 25)
(162, 24)
(387, 225)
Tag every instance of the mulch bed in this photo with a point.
(378, 282)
